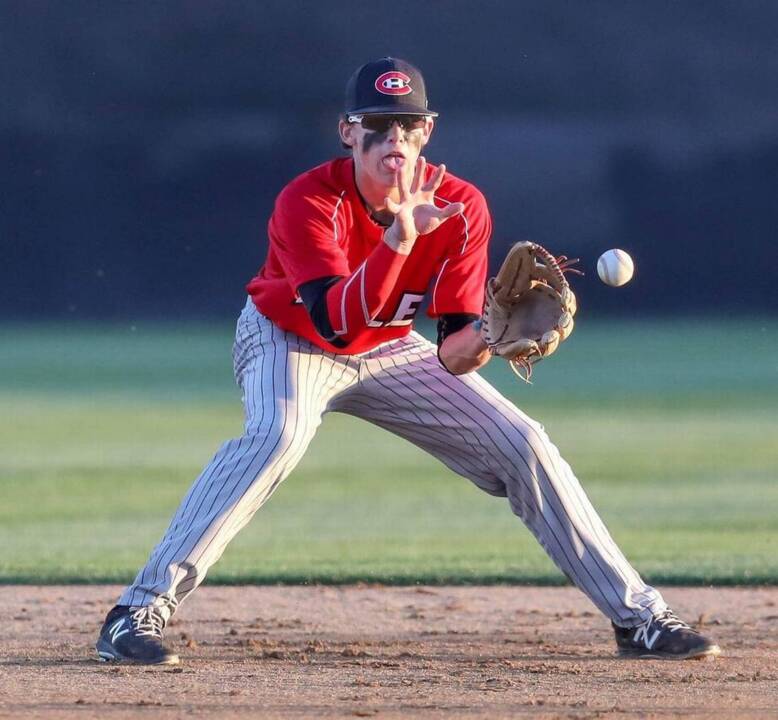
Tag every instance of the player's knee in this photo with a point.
(274, 441)
(494, 487)
(290, 440)
(524, 453)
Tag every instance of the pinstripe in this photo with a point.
(509, 472)
(541, 438)
(194, 492)
(309, 415)
(296, 447)
(542, 485)
(584, 511)
(422, 425)
(606, 542)
(222, 533)
(227, 526)
(562, 545)
(458, 427)
(249, 385)
(316, 384)
(305, 436)
(581, 504)
(252, 423)
(249, 392)
(238, 486)
(617, 564)
(325, 384)
(307, 418)
(369, 410)
(212, 487)
(232, 488)
(389, 422)
(344, 368)
(300, 439)
(456, 424)
(392, 391)
(200, 490)
(186, 541)
(251, 419)
(399, 386)
(318, 391)
(441, 442)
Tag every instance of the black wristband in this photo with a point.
(453, 322)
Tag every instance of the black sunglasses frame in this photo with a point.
(382, 123)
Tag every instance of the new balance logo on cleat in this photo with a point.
(641, 636)
(116, 630)
(134, 635)
(664, 637)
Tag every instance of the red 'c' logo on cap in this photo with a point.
(393, 82)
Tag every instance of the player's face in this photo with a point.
(384, 144)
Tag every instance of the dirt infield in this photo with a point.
(428, 652)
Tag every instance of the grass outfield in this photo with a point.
(671, 427)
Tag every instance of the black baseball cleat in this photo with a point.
(664, 637)
(134, 635)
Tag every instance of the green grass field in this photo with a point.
(672, 428)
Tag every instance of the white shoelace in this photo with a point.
(146, 622)
(670, 621)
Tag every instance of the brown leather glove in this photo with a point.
(529, 307)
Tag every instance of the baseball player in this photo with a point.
(355, 245)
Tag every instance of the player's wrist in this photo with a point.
(479, 344)
(397, 241)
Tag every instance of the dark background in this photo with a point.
(142, 144)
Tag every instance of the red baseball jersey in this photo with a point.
(320, 227)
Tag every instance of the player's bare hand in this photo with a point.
(416, 213)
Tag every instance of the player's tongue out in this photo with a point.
(393, 161)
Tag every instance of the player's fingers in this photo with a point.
(436, 179)
(418, 175)
(451, 210)
(404, 185)
(391, 206)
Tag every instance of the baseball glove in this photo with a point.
(529, 307)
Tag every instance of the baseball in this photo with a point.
(615, 267)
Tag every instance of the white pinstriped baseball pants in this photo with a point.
(288, 384)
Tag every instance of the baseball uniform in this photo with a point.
(350, 347)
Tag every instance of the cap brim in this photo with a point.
(392, 110)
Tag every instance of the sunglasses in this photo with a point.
(382, 123)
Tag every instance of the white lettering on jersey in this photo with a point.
(406, 311)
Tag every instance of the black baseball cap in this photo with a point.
(384, 86)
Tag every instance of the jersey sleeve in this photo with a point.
(305, 233)
(459, 285)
